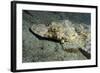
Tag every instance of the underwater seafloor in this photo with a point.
(41, 50)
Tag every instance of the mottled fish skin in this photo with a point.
(40, 29)
(64, 32)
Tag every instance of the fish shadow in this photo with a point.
(87, 55)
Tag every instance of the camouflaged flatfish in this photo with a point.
(65, 32)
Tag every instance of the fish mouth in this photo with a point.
(43, 38)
